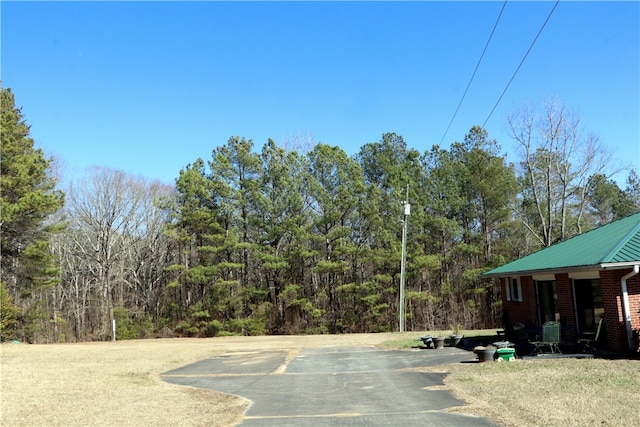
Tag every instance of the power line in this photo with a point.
(474, 71)
(521, 62)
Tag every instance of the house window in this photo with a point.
(514, 290)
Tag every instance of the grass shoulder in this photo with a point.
(567, 392)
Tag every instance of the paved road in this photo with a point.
(335, 386)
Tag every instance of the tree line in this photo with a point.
(268, 240)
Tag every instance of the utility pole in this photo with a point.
(407, 211)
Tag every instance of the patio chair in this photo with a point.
(590, 339)
(550, 339)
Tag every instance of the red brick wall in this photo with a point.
(633, 287)
(613, 321)
(564, 291)
(529, 303)
(613, 308)
(524, 312)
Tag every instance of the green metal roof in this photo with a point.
(614, 243)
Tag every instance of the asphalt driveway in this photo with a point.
(335, 386)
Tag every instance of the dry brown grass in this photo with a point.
(552, 392)
(118, 383)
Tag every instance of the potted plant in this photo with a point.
(456, 335)
(485, 353)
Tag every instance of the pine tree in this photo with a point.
(27, 198)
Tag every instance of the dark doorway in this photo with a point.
(589, 305)
(547, 301)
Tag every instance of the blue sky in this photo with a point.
(149, 87)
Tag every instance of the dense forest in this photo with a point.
(304, 240)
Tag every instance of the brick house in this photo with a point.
(576, 282)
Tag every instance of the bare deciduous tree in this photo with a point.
(557, 159)
(113, 251)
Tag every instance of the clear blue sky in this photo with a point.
(149, 87)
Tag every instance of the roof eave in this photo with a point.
(540, 271)
(619, 265)
(602, 266)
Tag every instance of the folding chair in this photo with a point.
(590, 339)
(550, 338)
